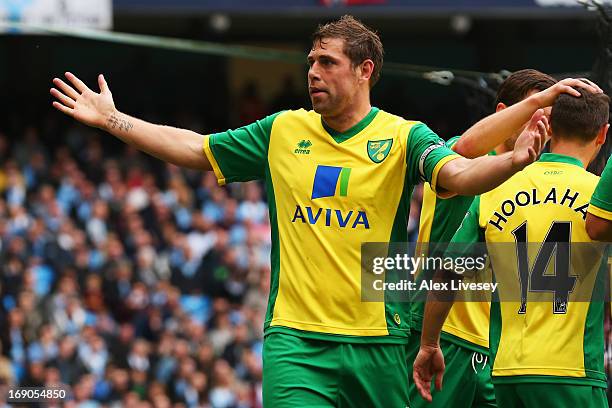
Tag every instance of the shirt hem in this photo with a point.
(465, 343)
(551, 379)
(393, 338)
(417, 320)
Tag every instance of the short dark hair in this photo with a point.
(518, 85)
(579, 117)
(360, 42)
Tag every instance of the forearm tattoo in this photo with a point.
(116, 122)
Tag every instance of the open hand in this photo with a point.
(83, 104)
(531, 141)
(571, 86)
(428, 364)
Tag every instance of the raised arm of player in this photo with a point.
(493, 130)
(177, 146)
(476, 176)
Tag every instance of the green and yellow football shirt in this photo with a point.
(542, 331)
(328, 193)
(468, 322)
(601, 202)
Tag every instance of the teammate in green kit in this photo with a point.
(599, 217)
(546, 351)
(465, 336)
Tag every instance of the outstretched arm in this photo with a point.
(496, 128)
(476, 176)
(174, 145)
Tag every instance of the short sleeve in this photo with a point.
(240, 154)
(601, 201)
(427, 153)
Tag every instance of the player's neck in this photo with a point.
(345, 120)
(576, 150)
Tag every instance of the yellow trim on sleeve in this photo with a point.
(211, 158)
(600, 212)
(434, 175)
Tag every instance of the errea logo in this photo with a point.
(303, 147)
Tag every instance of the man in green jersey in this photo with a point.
(599, 217)
(465, 336)
(547, 351)
(336, 176)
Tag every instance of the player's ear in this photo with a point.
(366, 70)
(500, 106)
(601, 135)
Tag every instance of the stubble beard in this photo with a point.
(319, 107)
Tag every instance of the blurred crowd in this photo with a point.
(132, 282)
(126, 284)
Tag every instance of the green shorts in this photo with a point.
(300, 372)
(466, 382)
(536, 395)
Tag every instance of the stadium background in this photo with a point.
(141, 284)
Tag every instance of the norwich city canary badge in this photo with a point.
(378, 150)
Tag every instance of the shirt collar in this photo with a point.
(560, 158)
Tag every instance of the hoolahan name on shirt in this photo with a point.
(564, 197)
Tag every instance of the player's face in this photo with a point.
(332, 80)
